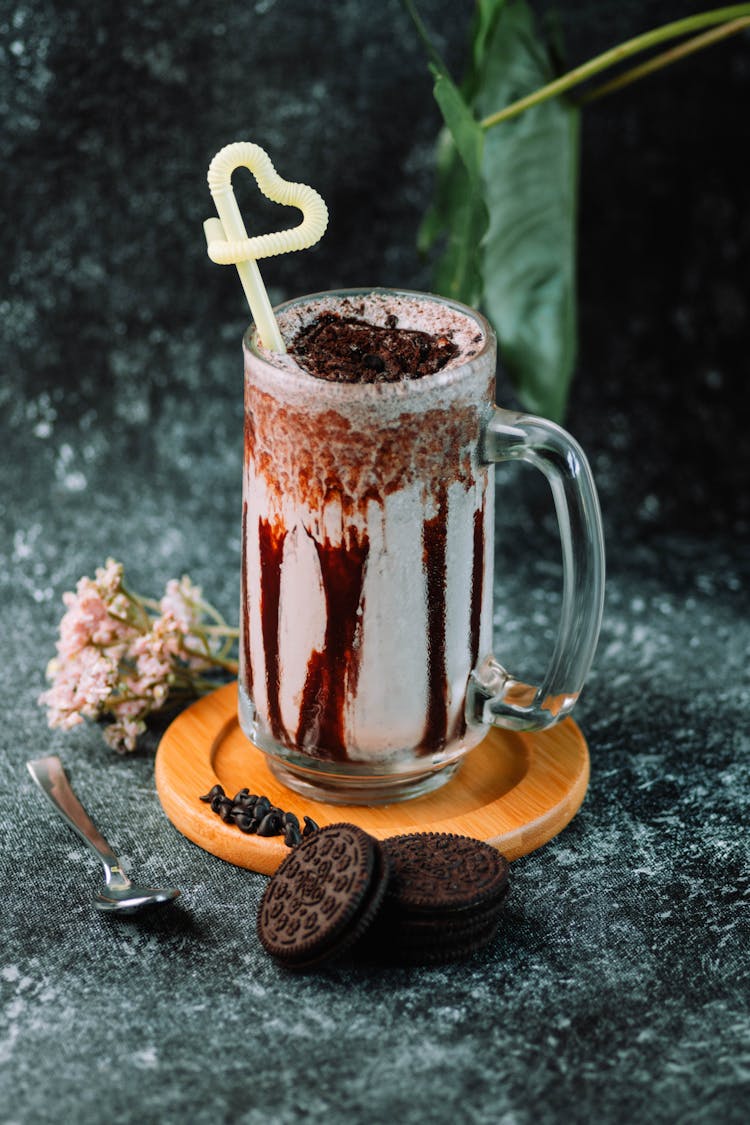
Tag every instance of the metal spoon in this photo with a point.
(120, 895)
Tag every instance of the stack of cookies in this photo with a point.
(443, 899)
(424, 898)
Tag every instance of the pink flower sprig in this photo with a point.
(121, 657)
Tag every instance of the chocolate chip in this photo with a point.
(270, 825)
(292, 835)
(226, 810)
(251, 813)
(247, 803)
(217, 791)
(262, 806)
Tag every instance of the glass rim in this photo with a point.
(445, 377)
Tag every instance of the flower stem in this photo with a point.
(213, 612)
(209, 657)
(202, 686)
(225, 633)
(674, 54)
(138, 606)
(137, 625)
(615, 55)
(148, 603)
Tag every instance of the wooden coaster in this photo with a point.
(515, 791)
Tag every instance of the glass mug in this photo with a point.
(367, 561)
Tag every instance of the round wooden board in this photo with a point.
(515, 791)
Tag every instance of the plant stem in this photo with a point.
(137, 604)
(148, 603)
(211, 658)
(204, 686)
(615, 55)
(213, 612)
(138, 626)
(697, 43)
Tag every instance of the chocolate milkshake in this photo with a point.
(367, 539)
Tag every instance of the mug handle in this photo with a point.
(494, 697)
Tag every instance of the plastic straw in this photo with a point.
(227, 239)
(231, 227)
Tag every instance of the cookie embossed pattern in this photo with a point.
(323, 897)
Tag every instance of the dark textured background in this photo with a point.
(618, 988)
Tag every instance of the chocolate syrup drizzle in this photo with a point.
(271, 543)
(475, 611)
(332, 672)
(434, 555)
(477, 585)
(434, 551)
(299, 453)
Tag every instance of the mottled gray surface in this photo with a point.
(617, 990)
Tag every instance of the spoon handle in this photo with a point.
(50, 776)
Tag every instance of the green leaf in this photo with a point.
(467, 133)
(437, 217)
(505, 202)
(485, 18)
(453, 210)
(530, 172)
(459, 207)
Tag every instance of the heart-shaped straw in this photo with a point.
(228, 242)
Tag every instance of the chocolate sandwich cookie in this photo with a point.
(435, 941)
(323, 896)
(444, 898)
